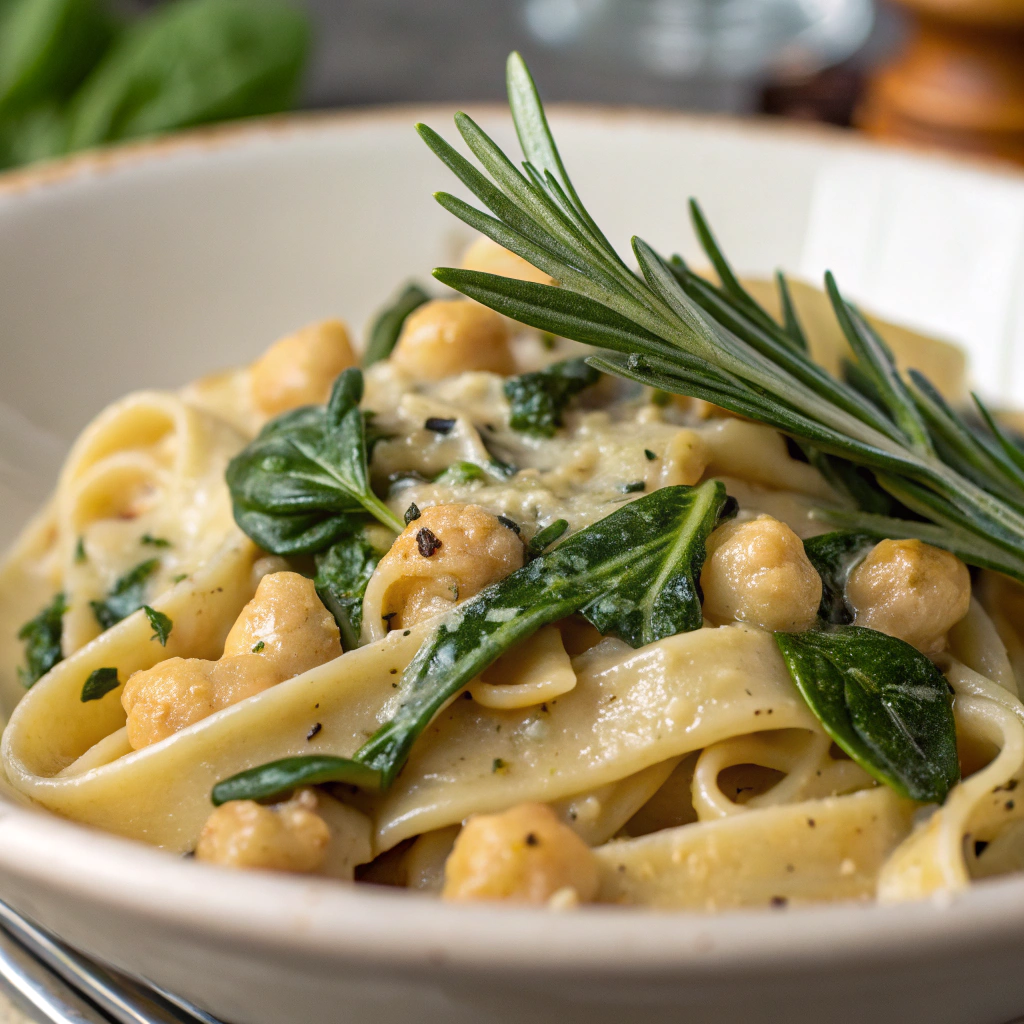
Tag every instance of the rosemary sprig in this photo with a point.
(671, 329)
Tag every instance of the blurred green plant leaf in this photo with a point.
(190, 63)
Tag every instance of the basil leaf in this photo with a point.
(303, 483)
(41, 636)
(162, 624)
(834, 555)
(633, 574)
(883, 702)
(127, 595)
(389, 323)
(278, 777)
(539, 399)
(47, 47)
(342, 573)
(191, 63)
(99, 684)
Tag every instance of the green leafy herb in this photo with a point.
(676, 332)
(162, 624)
(47, 47)
(633, 574)
(883, 702)
(80, 555)
(546, 537)
(498, 765)
(259, 645)
(41, 636)
(191, 63)
(99, 684)
(127, 595)
(278, 777)
(303, 483)
(388, 325)
(154, 542)
(834, 555)
(342, 573)
(539, 399)
(460, 473)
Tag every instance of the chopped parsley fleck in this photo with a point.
(634, 487)
(99, 684)
(498, 765)
(154, 542)
(162, 624)
(651, 456)
(41, 636)
(259, 647)
(547, 536)
(127, 595)
(80, 555)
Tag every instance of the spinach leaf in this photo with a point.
(191, 63)
(127, 595)
(342, 573)
(99, 684)
(388, 325)
(883, 702)
(834, 555)
(162, 624)
(41, 637)
(303, 483)
(633, 573)
(279, 777)
(47, 47)
(539, 399)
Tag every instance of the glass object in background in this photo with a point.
(729, 47)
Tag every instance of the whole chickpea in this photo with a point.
(300, 368)
(487, 256)
(283, 631)
(286, 616)
(758, 572)
(910, 590)
(524, 854)
(245, 834)
(447, 555)
(449, 336)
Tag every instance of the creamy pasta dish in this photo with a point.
(577, 582)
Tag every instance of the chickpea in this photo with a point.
(297, 632)
(487, 256)
(446, 337)
(524, 854)
(910, 590)
(447, 555)
(283, 631)
(245, 834)
(300, 368)
(758, 572)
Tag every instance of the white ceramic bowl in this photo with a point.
(154, 264)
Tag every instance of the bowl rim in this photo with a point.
(371, 925)
(237, 134)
